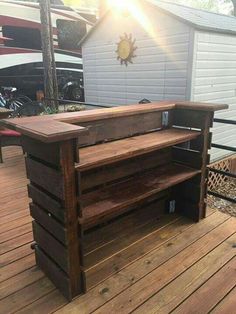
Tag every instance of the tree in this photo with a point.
(49, 67)
(234, 5)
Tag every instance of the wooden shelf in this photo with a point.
(99, 155)
(99, 204)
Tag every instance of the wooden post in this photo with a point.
(50, 79)
(70, 190)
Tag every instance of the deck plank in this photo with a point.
(142, 290)
(14, 233)
(114, 285)
(210, 293)
(227, 304)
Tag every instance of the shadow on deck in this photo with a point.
(191, 268)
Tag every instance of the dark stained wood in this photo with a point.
(189, 118)
(126, 174)
(187, 157)
(46, 152)
(123, 169)
(99, 155)
(53, 247)
(206, 160)
(53, 128)
(47, 202)
(72, 229)
(128, 249)
(191, 105)
(25, 289)
(97, 205)
(46, 177)
(113, 245)
(120, 127)
(46, 130)
(47, 221)
(57, 276)
(96, 239)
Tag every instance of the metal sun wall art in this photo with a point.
(125, 49)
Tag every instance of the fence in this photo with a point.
(224, 172)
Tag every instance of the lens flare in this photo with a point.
(137, 11)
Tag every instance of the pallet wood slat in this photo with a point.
(127, 237)
(97, 204)
(117, 128)
(48, 222)
(55, 274)
(91, 169)
(47, 202)
(47, 178)
(96, 239)
(49, 244)
(113, 172)
(99, 155)
(45, 152)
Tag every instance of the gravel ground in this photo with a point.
(228, 189)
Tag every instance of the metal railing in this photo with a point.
(67, 101)
(221, 172)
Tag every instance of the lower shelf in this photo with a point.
(100, 205)
(127, 239)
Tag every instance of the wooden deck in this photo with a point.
(189, 268)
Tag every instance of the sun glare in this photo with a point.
(117, 4)
(134, 8)
(137, 11)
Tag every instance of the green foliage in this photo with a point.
(49, 110)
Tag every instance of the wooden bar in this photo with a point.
(104, 182)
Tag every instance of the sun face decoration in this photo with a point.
(125, 49)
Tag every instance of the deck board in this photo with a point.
(189, 260)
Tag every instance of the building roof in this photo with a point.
(199, 19)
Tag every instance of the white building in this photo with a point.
(181, 53)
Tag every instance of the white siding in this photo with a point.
(214, 80)
(158, 72)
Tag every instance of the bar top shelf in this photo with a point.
(99, 203)
(63, 126)
(101, 154)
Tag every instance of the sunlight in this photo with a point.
(134, 8)
(118, 4)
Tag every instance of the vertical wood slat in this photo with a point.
(67, 153)
(196, 209)
(205, 156)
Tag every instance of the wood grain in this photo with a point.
(101, 203)
(111, 152)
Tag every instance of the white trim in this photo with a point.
(9, 60)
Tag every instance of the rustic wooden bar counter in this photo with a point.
(95, 171)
